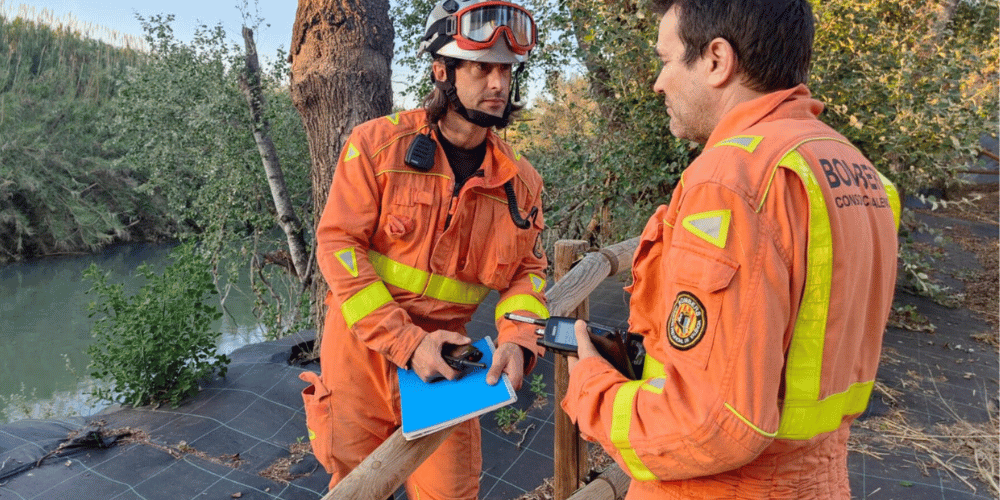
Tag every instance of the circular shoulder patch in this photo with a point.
(687, 322)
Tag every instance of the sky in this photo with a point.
(119, 16)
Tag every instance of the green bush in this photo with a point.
(913, 95)
(156, 345)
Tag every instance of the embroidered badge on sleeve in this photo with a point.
(687, 322)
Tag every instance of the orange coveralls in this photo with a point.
(762, 291)
(406, 253)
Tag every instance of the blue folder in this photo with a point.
(429, 407)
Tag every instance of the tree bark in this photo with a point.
(289, 222)
(340, 57)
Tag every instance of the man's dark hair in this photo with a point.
(772, 38)
(436, 102)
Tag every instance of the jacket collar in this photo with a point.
(796, 102)
(497, 167)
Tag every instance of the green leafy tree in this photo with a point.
(157, 344)
(184, 123)
(623, 160)
(914, 94)
(913, 84)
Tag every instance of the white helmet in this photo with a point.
(469, 30)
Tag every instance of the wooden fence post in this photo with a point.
(570, 450)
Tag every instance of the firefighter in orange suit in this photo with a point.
(429, 210)
(762, 290)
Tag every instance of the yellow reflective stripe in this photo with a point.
(455, 291)
(805, 354)
(750, 424)
(621, 424)
(424, 283)
(522, 302)
(652, 368)
(364, 302)
(893, 194)
(806, 419)
(398, 274)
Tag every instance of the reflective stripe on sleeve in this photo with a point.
(398, 274)
(364, 302)
(652, 368)
(621, 425)
(523, 302)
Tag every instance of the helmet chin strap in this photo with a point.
(474, 116)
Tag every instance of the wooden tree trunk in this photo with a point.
(340, 57)
(289, 222)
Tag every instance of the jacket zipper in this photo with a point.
(453, 207)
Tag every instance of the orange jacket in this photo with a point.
(378, 204)
(762, 290)
(404, 254)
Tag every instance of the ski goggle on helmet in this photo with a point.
(470, 29)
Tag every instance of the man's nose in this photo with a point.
(495, 78)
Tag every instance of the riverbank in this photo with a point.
(46, 329)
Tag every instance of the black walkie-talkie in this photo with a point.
(420, 154)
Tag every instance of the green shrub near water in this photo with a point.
(156, 345)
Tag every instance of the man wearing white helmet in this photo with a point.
(429, 210)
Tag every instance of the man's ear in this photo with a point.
(439, 70)
(723, 63)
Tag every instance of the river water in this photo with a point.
(45, 329)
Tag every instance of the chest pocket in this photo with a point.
(694, 301)
(409, 214)
(496, 245)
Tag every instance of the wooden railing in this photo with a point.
(391, 463)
